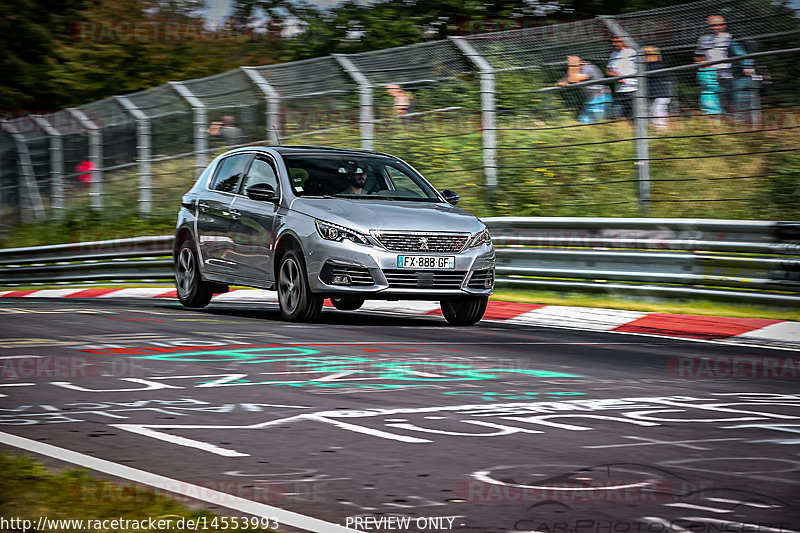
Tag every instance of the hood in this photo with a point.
(366, 215)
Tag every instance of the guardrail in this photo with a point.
(749, 261)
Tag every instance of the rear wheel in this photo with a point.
(192, 290)
(464, 310)
(296, 301)
(347, 303)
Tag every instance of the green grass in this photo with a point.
(29, 490)
(695, 306)
(542, 173)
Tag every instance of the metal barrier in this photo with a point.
(749, 261)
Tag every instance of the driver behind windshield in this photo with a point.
(356, 177)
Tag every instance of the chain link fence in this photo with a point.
(498, 117)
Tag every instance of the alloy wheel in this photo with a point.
(185, 272)
(289, 286)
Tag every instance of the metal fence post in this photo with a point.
(366, 115)
(273, 123)
(488, 111)
(200, 125)
(28, 175)
(143, 154)
(56, 167)
(642, 121)
(640, 116)
(95, 156)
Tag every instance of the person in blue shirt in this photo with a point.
(598, 100)
(736, 79)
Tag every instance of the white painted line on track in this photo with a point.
(783, 331)
(196, 492)
(14, 385)
(685, 505)
(585, 317)
(672, 527)
(748, 504)
(138, 292)
(52, 293)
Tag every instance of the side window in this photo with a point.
(230, 171)
(261, 171)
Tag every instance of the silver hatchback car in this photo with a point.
(314, 222)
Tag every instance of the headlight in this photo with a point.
(482, 237)
(332, 232)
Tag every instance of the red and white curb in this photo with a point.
(753, 331)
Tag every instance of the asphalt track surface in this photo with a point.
(365, 415)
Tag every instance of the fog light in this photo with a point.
(489, 279)
(340, 280)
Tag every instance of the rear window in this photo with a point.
(229, 171)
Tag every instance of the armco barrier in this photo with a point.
(749, 261)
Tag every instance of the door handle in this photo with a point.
(235, 214)
(203, 206)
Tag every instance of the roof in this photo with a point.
(301, 148)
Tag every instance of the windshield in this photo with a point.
(357, 176)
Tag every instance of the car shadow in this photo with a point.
(329, 316)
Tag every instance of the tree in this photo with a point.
(27, 34)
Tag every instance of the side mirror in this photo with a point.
(451, 197)
(262, 192)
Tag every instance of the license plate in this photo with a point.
(426, 262)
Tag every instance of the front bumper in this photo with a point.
(374, 273)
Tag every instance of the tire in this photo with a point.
(192, 290)
(464, 310)
(296, 301)
(347, 303)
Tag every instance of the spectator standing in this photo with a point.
(597, 97)
(403, 100)
(659, 88)
(709, 88)
(623, 63)
(734, 83)
(226, 131)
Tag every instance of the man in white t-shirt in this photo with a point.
(623, 63)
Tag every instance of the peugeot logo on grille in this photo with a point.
(423, 243)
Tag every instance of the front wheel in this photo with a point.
(296, 301)
(347, 303)
(464, 310)
(192, 290)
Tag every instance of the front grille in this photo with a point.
(424, 279)
(479, 279)
(359, 275)
(437, 243)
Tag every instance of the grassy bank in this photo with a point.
(30, 490)
(699, 169)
